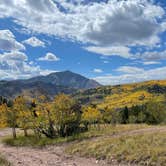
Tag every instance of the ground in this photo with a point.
(47, 156)
(54, 155)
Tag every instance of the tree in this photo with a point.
(11, 117)
(22, 108)
(155, 112)
(3, 101)
(3, 122)
(124, 115)
(91, 115)
(66, 113)
(45, 120)
(60, 117)
(42, 118)
(110, 116)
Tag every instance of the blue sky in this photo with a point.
(111, 41)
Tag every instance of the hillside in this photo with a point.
(60, 82)
(123, 95)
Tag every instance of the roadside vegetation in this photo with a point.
(93, 131)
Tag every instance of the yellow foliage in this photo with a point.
(91, 114)
(3, 116)
(128, 99)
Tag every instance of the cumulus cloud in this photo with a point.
(130, 77)
(49, 57)
(97, 70)
(15, 65)
(34, 42)
(8, 41)
(42, 5)
(109, 28)
(13, 56)
(123, 24)
(114, 22)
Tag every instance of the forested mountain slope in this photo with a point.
(124, 95)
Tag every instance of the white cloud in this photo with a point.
(153, 55)
(130, 77)
(97, 70)
(110, 28)
(124, 22)
(49, 57)
(8, 41)
(15, 65)
(130, 69)
(31, 62)
(109, 51)
(105, 61)
(34, 42)
(46, 72)
(151, 62)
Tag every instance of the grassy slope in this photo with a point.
(142, 149)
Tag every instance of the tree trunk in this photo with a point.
(14, 132)
(25, 133)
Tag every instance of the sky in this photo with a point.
(110, 41)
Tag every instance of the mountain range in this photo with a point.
(59, 82)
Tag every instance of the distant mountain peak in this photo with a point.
(51, 84)
(70, 79)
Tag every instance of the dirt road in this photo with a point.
(47, 156)
(54, 155)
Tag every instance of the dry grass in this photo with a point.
(142, 149)
(94, 131)
(4, 162)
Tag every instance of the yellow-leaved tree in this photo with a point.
(11, 117)
(22, 107)
(66, 113)
(3, 122)
(44, 119)
(91, 115)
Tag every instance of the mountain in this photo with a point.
(50, 85)
(119, 96)
(68, 79)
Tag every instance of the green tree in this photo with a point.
(155, 112)
(124, 115)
